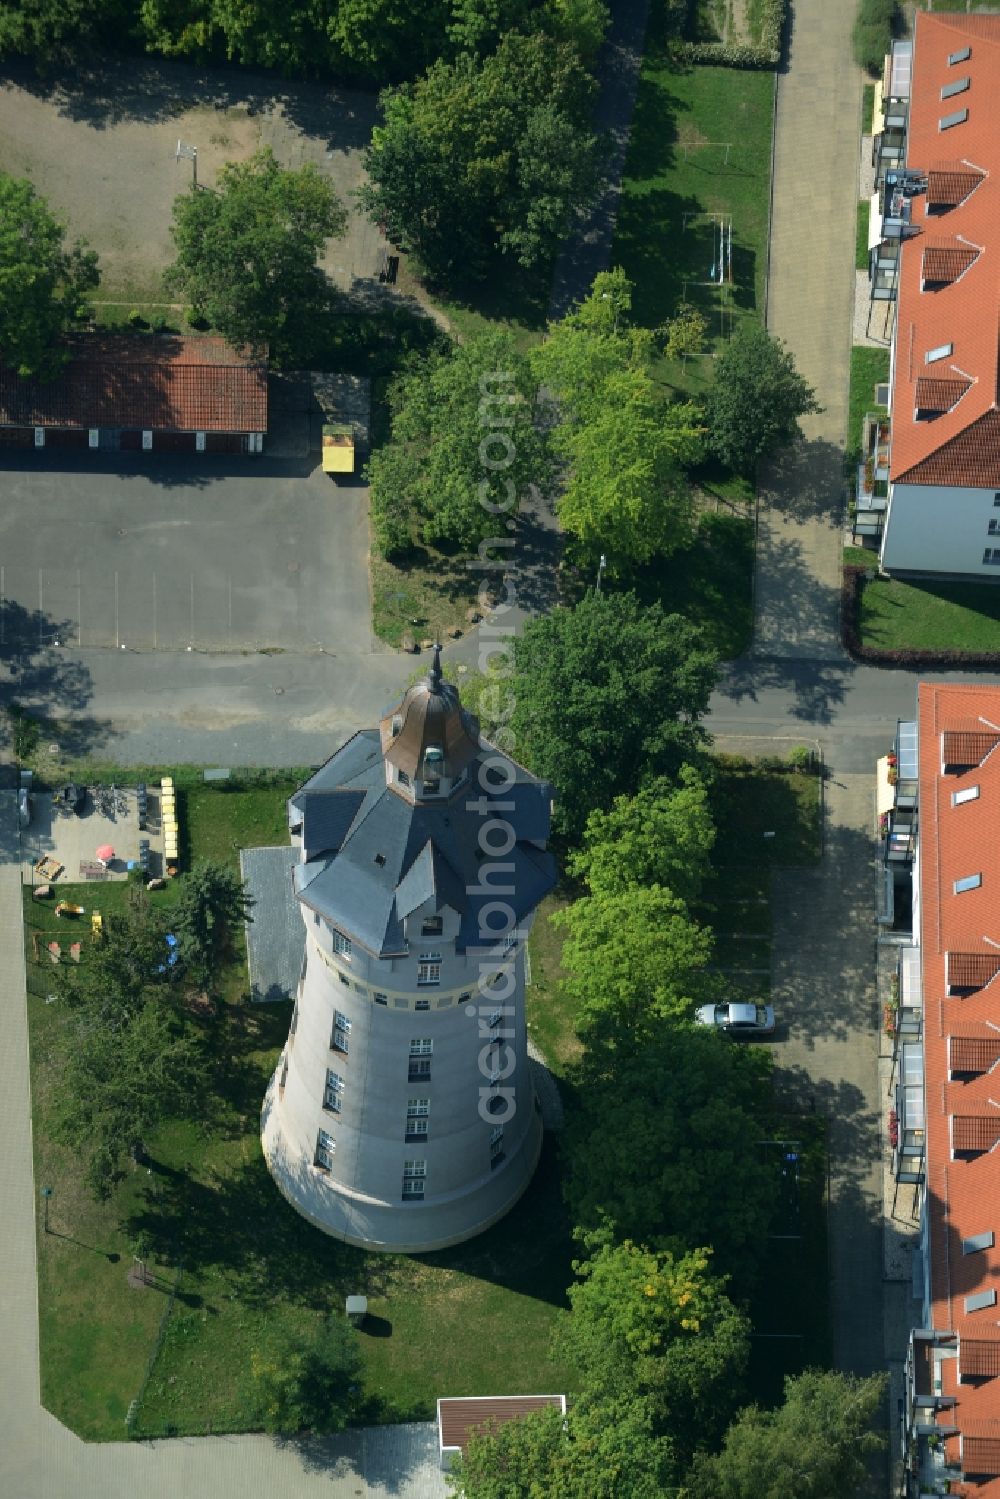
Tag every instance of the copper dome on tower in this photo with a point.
(430, 718)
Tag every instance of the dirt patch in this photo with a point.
(101, 147)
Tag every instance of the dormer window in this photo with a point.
(433, 926)
(397, 723)
(433, 766)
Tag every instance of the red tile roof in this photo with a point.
(971, 970)
(973, 1053)
(945, 262)
(961, 446)
(979, 1358)
(460, 1418)
(155, 382)
(940, 395)
(961, 1044)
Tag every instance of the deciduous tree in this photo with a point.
(608, 695)
(818, 1442)
(247, 254)
(464, 450)
(306, 1381)
(756, 399)
(213, 904)
(663, 835)
(481, 156)
(676, 1119)
(43, 281)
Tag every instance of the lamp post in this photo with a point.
(46, 1194)
(602, 564)
(191, 152)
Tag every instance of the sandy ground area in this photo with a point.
(101, 147)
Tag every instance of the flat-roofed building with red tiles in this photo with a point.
(948, 1119)
(934, 468)
(141, 392)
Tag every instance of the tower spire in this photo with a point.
(434, 676)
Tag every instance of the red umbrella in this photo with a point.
(105, 852)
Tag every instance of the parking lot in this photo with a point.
(147, 553)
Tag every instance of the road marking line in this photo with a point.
(117, 640)
(154, 611)
(79, 609)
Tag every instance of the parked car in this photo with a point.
(738, 1019)
(24, 799)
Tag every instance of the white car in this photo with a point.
(738, 1019)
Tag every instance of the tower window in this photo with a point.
(496, 1146)
(419, 1070)
(414, 1177)
(429, 969)
(341, 1039)
(402, 778)
(416, 1130)
(422, 1046)
(433, 926)
(381, 999)
(422, 1004)
(341, 944)
(332, 1096)
(325, 1147)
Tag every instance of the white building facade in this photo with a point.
(402, 1114)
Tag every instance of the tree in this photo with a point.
(632, 960)
(484, 156)
(817, 1443)
(57, 30)
(608, 695)
(657, 1325)
(247, 254)
(677, 1119)
(756, 399)
(464, 449)
(306, 1381)
(604, 1449)
(129, 1059)
(684, 333)
(42, 281)
(626, 449)
(213, 903)
(663, 835)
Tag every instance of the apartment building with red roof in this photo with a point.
(936, 229)
(158, 392)
(948, 1112)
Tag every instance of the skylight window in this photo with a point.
(968, 882)
(977, 1242)
(958, 87)
(941, 352)
(959, 117)
(980, 1300)
(962, 55)
(970, 794)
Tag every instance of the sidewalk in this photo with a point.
(810, 298)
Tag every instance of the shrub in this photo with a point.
(765, 53)
(802, 757)
(873, 33)
(25, 732)
(135, 319)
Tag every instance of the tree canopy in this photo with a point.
(756, 399)
(626, 449)
(213, 904)
(633, 959)
(484, 156)
(817, 1443)
(657, 1325)
(306, 1381)
(463, 450)
(663, 835)
(247, 254)
(676, 1121)
(128, 1058)
(43, 281)
(608, 695)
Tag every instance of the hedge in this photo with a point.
(850, 601)
(763, 54)
(872, 33)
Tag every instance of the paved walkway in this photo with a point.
(588, 250)
(811, 287)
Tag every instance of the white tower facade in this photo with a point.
(402, 1115)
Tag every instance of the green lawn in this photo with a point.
(869, 367)
(711, 583)
(686, 121)
(927, 615)
(867, 109)
(551, 1019)
(861, 248)
(251, 1266)
(425, 597)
